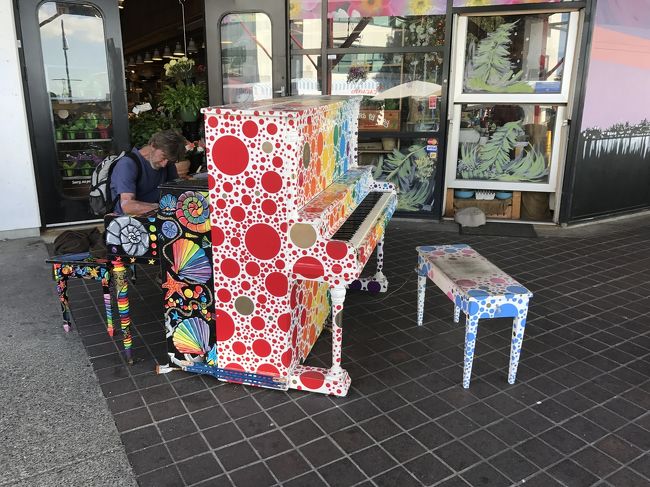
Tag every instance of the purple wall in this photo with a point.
(619, 71)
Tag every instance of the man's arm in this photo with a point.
(131, 206)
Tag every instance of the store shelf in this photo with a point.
(75, 178)
(509, 209)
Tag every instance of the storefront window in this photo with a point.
(305, 75)
(76, 73)
(508, 143)
(247, 57)
(305, 24)
(522, 53)
(401, 91)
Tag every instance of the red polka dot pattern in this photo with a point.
(268, 316)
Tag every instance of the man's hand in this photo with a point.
(131, 206)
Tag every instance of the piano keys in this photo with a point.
(294, 220)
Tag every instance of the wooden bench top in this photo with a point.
(460, 270)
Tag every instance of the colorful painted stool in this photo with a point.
(85, 266)
(479, 289)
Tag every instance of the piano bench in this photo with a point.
(479, 289)
(86, 266)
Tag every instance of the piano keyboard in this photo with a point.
(363, 218)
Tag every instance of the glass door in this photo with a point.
(246, 48)
(511, 78)
(78, 100)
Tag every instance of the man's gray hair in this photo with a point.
(171, 142)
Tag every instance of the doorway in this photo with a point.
(246, 50)
(77, 103)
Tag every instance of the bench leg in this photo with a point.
(422, 286)
(122, 291)
(106, 289)
(471, 329)
(518, 328)
(62, 290)
(456, 314)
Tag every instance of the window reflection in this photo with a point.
(516, 53)
(401, 91)
(305, 75)
(408, 31)
(305, 24)
(246, 57)
(74, 52)
(76, 74)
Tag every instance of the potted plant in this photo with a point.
(60, 132)
(183, 98)
(89, 124)
(143, 125)
(103, 128)
(68, 167)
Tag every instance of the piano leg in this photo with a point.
(377, 283)
(338, 298)
(335, 380)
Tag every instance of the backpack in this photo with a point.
(99, 198)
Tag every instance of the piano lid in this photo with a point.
(287, 107)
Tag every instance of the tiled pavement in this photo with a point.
(577, 415)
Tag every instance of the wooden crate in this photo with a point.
(509, 209)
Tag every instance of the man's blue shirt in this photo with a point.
(125, 174)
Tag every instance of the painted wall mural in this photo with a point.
(612, 172)
(311, 9)
(484, 3)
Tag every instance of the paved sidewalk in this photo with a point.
(55, 426)
(578, 414)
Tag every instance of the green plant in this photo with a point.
(145, 124)
(183, 96)
(391, 104)
(490, 68)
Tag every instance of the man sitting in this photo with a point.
(135, 190)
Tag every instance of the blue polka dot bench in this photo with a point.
(479, 289)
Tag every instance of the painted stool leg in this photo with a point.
(62, 290)
(122, 290)
(422, 287)
(518, 328)
(106, 289)
(471, 328)
(456, 314)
